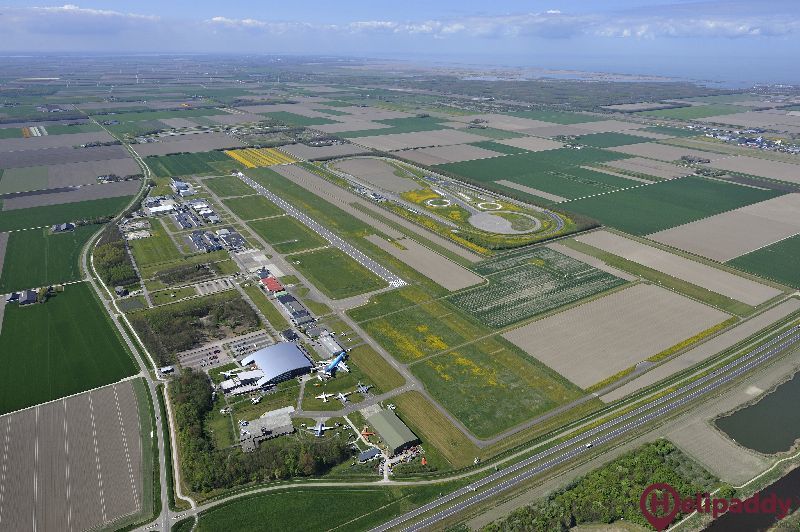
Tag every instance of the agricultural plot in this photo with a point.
(287, 235)
(651, 167)
(10, 133)
(615, 333)
(532, 143)
(398, 126)
(671, 131)
(609, 140)
(777, 262)
(491, 386)
(71, 195)
(495, 146)
(733, 233)
(212, 162)
(665, 152)
(55, 141)
(379, 173)
(525, 283)
(694, 112)
(37, 258)
(256, 157)
(67, 129)
(335, 274)
(58, 348)
(137, 116)
(421, 139)
(252, 207)
(554, 172)
(297, 120)
(760, 167)
(193, 143)
(55, 214)
(713, 279)
(68, 154)
(311, 153)
(448, 154)
(557, 117)
(227, 186)
(647, 209)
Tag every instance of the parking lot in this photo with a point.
(224, 351)
(213, 286)
(72, 464)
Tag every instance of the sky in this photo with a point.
(739, 41)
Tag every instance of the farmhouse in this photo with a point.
(395, 434)
(62, 228)
(27, 297)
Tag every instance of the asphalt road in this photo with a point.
(611, 430)
(328, 235)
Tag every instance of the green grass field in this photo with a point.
(666, 204)
(65, 212)
(37, 258)
(137, 128)
(58, 129)
(158, 248)
(491, 386)
(399, 125)
(24, 179)
(335, 274)
(11, 133)
(252, 207)
(317, 509)
(297, 120)
(672, 131)
(332, 112)
(557, 117)
(209, 162)
(287, 235)
(273, 315)
(227, 186)
(554, 171)
(610, 140)
(62, 347)
(500, 148)
(696, 111)
(777, 262)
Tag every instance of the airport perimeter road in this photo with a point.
(330, 236)
(599, 435)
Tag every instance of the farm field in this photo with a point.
(297, 120)
(695, 111)
(399, 125)
(497, 147)
(59, 129)
(55, 214)
(156, 249)
(671, 131)
(227, 186)
(609, 140)
(257, 157)
(733, 233)
(555, 171)
(11, 133)
(699, 274)
(528, 282)
(491, 386)
(287, 235)
(617, 332)
(252, 207)
(37, 258)
(557, 117)
(647, 209)
(760, 167)
(137, 116)
(62, 347)
(777, 261)
(335, 274)
(210, 162)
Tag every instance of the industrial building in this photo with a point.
(267, 366)
(394, 433)
(270, 425)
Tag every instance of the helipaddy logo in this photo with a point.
(660, 503)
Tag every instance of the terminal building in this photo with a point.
(266, 367)
(394, 433)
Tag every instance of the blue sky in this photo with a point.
(755, 41)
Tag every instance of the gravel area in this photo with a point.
(593, 341)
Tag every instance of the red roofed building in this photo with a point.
(272, 284)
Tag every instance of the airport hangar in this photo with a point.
(274, 363)
(395, 434)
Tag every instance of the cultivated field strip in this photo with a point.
(257, 157)
(529, 282)
(72, 464)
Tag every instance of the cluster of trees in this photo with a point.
(173, 328)
(205, 468)
(613, 491)
(112, 260)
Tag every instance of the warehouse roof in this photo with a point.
(278, 359)
(391, 428)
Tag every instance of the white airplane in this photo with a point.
(243, 423)
(256, 400)
(343, 396)
(325, 396)
(319, 429)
